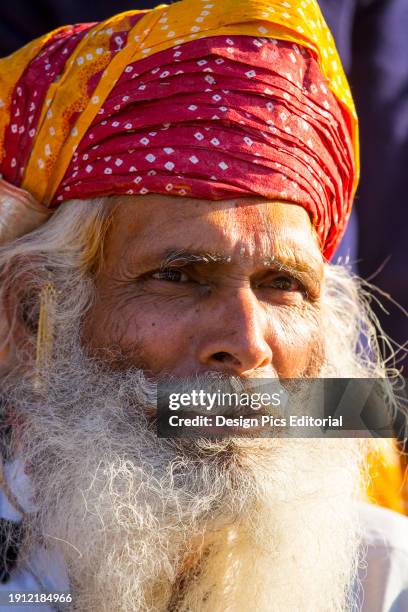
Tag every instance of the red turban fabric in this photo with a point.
(216, 118)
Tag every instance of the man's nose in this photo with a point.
(235, 339)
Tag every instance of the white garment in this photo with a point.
(43, 571)
(384, 579)
(382, 584)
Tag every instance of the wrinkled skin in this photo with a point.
(226, 299)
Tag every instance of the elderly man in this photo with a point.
(200, 162)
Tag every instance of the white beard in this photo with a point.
(293, 547)
(149, 524)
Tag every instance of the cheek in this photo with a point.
(297, 342)
(148, 335)
(164, 339)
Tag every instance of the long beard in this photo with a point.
(151, 524)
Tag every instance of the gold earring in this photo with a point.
(45, 333)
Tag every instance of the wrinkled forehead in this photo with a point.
(244, 227)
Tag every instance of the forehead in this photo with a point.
(245, 225)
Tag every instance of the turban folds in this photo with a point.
(207, 99)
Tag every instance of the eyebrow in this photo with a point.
(185, 257)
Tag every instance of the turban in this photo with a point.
(212, 99)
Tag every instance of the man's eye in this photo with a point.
(284, 283)
(171, 275)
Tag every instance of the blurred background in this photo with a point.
(372, 40)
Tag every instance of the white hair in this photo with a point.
(59, 249)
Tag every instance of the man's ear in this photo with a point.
(18, 319)
(4, 337)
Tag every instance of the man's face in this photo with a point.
(185, 287)
(192, 286)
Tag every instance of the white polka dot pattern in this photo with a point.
(276, 132)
